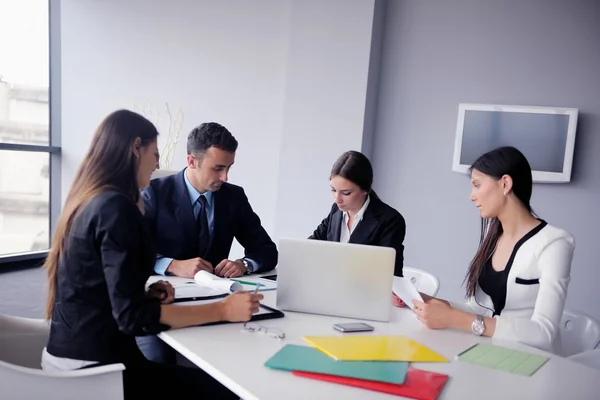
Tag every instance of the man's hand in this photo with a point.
(230, 269)
(239, 306)
(161, 290)
(189, 268)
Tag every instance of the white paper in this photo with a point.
(216, 282)
(194, 289)
(407, 292)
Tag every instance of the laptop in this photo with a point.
(337, 279)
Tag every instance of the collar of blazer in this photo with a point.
(370, 221)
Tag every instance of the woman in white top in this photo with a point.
(358, 215)
(517, 282)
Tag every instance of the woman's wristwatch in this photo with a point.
(478, 326)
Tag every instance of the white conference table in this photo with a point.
(236, 359)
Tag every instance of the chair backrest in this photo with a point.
(578, 333)
(425, 282)
(22, 340)
(591, 358)
(98, 383)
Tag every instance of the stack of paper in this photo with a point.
(379, 363)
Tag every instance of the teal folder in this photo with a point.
(308, 359)
(504, 359)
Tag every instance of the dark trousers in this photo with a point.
(152, 381)
(156, 350)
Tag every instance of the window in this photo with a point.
(29, 157)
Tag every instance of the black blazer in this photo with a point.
(101, 302)
(381, 225)
(170, 216)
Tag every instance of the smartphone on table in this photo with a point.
(353, 327)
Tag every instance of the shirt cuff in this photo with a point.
(161, 265)
(253, 264)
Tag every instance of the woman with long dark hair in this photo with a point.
(101, 257)
(358, 215)
(517, 281)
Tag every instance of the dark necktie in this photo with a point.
(202, 223)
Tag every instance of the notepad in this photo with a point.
(504, 359)
(264, 286)
(196, 291)
(419, 384)
(308, 359)
(374, 348)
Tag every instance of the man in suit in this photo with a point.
(195, 215)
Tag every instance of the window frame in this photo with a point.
(54, 137)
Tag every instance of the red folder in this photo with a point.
(419, 384)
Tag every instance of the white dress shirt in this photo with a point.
(345, 232)
(536, 291)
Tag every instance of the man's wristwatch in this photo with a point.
(247, 268)
(478, 326)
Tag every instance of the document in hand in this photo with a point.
(216, 282)
(407, 292)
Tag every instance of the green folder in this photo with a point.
(504, 359)
(308, 359)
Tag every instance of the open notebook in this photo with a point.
(207, 286)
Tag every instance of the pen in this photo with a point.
(248, 283)
(464, 351)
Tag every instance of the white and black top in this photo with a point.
(494, 283)
(537, 277)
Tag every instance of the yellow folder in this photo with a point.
(374, 348)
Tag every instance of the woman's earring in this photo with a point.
(505, 193)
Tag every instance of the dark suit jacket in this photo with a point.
(171, 218)
(101, 302)
(381, 225)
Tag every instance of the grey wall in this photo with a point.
(437, 54)
(325, 105)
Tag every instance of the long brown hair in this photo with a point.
(108, 164)
(497, 163)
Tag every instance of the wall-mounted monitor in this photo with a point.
(545, 135)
